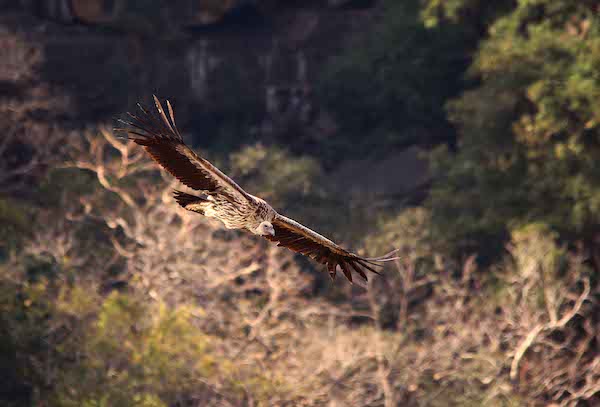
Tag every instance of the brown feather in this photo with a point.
(367, 266)
(300, 239)
(360, 272)
(162, 114)
(346, 270)
(162, 140)
(180, 167)
(172, 114)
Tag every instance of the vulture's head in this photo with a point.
(265, 229)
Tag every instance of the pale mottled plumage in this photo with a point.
(223, 199)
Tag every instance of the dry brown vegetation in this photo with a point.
(139, 301)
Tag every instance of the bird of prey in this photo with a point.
(221, 198)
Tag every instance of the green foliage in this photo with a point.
(535, 250)
(117, 350)
(467, 210)
(472, 14)
(14, 224)
(529, 133)
(540, 262)
(64, 181)
(23, 315)
(274, 173)
(135, 354)
(537, 274)
(388, 88)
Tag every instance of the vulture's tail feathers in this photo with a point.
(184, 199)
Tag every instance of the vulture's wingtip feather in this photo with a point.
(385, 257)
(346, 270)
(358, 270)
(139, 105)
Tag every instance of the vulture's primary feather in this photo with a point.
(221, 198)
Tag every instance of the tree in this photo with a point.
(387, 88)
(528, 133)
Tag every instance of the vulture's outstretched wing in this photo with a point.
(162, 140)
(299, 238)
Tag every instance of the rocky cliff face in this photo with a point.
(247, 75)
(254, 67)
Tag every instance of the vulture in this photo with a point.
(221, 198)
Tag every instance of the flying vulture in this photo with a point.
(221, 198)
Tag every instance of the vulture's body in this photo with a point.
(235, 213)
(221, 198)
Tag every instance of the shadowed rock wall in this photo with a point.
(101, 57)
(247, 76)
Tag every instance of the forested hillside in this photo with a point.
(465, 133)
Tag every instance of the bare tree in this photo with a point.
(427, 332)
(253, 294)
